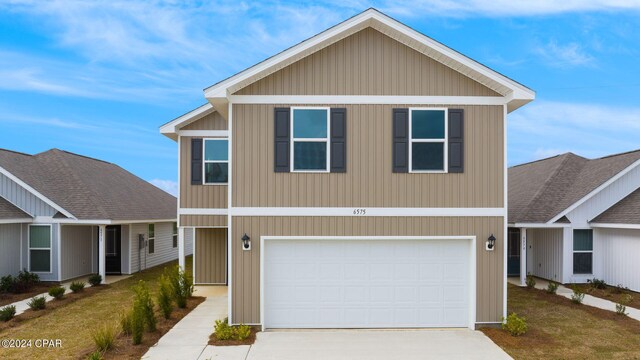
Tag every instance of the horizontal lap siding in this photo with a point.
(211, 256)
(369, 180)
(367, 63)
(164, 250)
(76, 255)
(245, 270)
(212, 121)
(9, 249)
(545, 253)
(203, 220)
(197, 196)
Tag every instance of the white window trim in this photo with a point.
(205, 161)
(573, 239)
(149, 238)
(444, 141)
(50, 248)
(326, 140)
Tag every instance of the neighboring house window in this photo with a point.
(40, 248)
(427, 140)
(310, 139)
(583, 251)
(216, 161)
(175, 235)
(152, 238)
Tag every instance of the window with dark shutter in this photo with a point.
(196, 161)
(339, 140)
(400, 140)
(456, 140)
(281, 139)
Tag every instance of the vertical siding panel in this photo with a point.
(10, 249)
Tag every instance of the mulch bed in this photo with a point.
(8, 298)
(611, 293)
(124, 349)
(53, 304)
(213, 340)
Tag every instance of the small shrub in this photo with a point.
(577, 295)
(137, 325)
(96, 355)
(56, 292)
(104, 337)
(621, 305)
(597, 283)
(619, 289)
(165, 296)
(77, 286)
(242, 332)
(222, 330)
(126, 322)
(143, 304)
(514, 325)
(95, 279)
(181, 286)
(7, 313)
(38, 303)
(531, 282)
(24, 281)
(552, 287)
(6, 284)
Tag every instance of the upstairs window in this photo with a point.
(427, 140)
(310, 139)
(216, 161)
(583, 251)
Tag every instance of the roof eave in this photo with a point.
(171, 128)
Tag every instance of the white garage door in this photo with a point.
(360, 283)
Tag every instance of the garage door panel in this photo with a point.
(350, 284)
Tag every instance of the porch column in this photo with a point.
(523, 256)
(102, 253)
(181, 247)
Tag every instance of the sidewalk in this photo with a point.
(588, 299)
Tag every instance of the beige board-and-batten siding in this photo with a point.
(197, 196)
(213, 121)
(367, 63)
(211, 256)
(245, 267)
(77, 249)
(203, 220)
(369, 180)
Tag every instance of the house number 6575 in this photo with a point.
(359, 211)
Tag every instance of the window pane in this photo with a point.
(216, 172)
(309, 123)
(152, 246)
(110, 246)
(216, 150)
(427, 156)
(175, 228)
(40, 260)
(583, 240)
(582, 263)
(427, 124)
(152, 230)
(175, 241)
(309, 155)
(39, 236)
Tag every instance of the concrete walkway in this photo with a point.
(588, 299)
(22, 305)
(189, 337)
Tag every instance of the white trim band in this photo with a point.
(366, 99)
(16, 221)
(540, 225)
(615, 226)
(194, 211)
(364, 211)
(207, 133)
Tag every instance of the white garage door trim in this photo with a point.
(472, 263)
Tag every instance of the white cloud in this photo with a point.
(571, 54)
(167, 185)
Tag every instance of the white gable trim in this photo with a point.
(595, 191)
(26, 186)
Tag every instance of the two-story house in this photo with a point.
(355, 180)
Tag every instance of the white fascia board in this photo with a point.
(539, 225)
(595, 191)
(170, 129)
(50, 220)
(614, 226)
(366, 99)
(365, 211)
(16, 221)
(36, 193)
(202, 211)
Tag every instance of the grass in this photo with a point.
(559, 329)
(75, 322)
(611, 293)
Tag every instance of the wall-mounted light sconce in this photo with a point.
(491, 242)
(246, 242)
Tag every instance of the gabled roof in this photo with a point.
(625, 211)
(542, 191)
(170, 129)
(89, 189)
(8, 211)
(517, 93)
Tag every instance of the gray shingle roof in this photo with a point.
(625, 211)
(540, 190)
(89, 188)
(10, 211)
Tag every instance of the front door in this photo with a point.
(113, 256)
(513, 252)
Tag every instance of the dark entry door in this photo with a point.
(113, 254)
(513, 252)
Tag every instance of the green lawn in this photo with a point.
(74, 322)
(559, 329)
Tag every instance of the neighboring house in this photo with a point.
(572, 219)
(352, 181)
(64, 215)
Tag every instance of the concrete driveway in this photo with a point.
(363, 344)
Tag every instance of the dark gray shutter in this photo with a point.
(281, 139)
(456, 140)
(339, 140)
(196, 161)
(400, 140)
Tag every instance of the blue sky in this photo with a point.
(98, 78)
